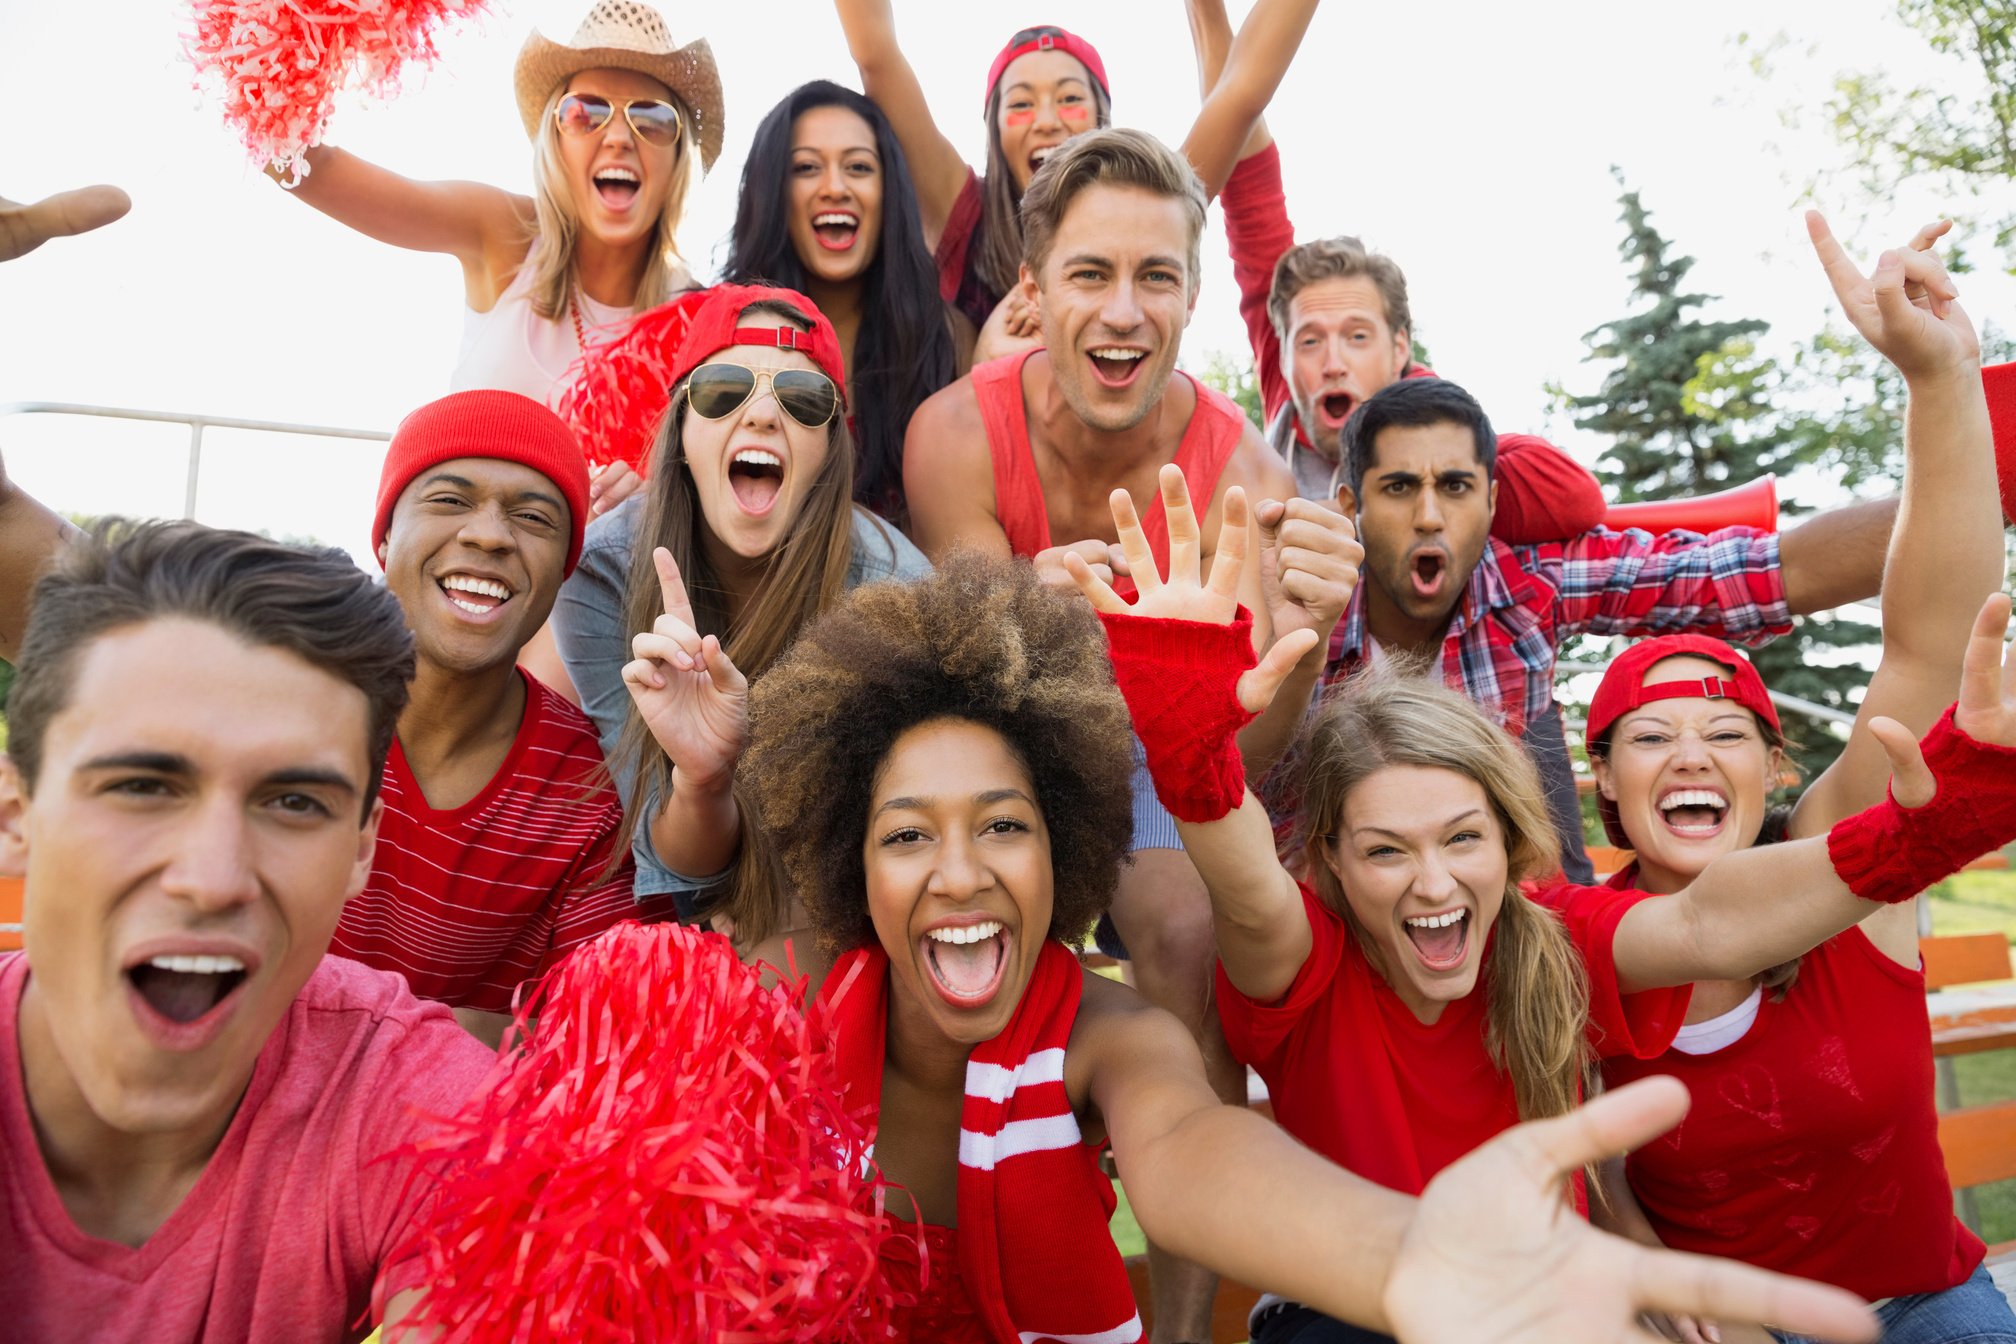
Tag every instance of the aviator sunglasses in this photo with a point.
(653, 120)
(716, 391)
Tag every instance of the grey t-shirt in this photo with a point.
(594, 640)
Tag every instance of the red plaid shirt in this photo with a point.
(1522, 602)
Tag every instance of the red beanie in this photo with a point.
(485, 423)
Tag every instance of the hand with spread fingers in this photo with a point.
(1182, 595)
(1309, 561)
(1496, 1255)
(1908, 307)
(1985, 712)
(692, 698)
(23, 228)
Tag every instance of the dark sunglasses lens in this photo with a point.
(655, 121)
(581, 114)
(807, 397)
(716, 390)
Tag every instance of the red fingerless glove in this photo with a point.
(1181, 682)
(1890, 853)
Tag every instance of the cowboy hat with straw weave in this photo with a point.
(626, 35)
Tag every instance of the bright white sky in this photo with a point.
(1472, 140)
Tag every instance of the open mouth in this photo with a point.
(478, 597)
(1694, 813)
(1335, 408)
(967, 961)
(836, 230)
(1440, 941)
(185, 996)
(1115, 365)
(1428, 570)
(756, 475)
(617, 187)
(1039, 156)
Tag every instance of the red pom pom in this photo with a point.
(280, 62)
(618, 392)
(667, 1158)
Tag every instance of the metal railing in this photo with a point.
(196, 422)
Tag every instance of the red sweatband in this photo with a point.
(1890, 853)
(1181, 680)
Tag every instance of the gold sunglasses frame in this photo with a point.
(622, 105)
(762, 376)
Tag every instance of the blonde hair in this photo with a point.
(1536, 1017)
(805, 575)
(1112, 157)
(1338, 258)
(558, 222)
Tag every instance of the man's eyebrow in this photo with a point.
(1172, 263)
(524, 496)
(450, 478)
(1089, 259)
(155, 762)
(313, 776)
(1396, 474)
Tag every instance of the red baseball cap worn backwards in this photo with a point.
(1049, 38)
(713, 328)
(1623, 689)
(485, 423)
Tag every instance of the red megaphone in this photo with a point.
(1752, 505)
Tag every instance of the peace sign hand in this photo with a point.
(1181, 596)
(1907, 307)
(692, 698)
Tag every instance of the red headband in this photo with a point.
(1054, 40)
(1623, 689)
(622, 390)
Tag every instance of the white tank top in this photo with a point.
(513, 348)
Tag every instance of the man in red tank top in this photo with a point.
(1022, 456)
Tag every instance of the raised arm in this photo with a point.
(1211, 41)
(1186, 667)
(1758, 907)
(1486, 1255)
(1253, 70)
(1945, 554)
(486, 228)
(936, 169)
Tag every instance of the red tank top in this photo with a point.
(1813, 1145)
(1214, 432)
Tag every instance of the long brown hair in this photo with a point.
(803, 576)
(558, 221)
(998, 262)
(1536, 1020)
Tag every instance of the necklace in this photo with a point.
(574, 309)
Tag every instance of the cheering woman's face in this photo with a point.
(753, 462)
(960, 887)
(1420, 854)
(1691, 777)
(835, 193)
(620, 137)
(1046, 98)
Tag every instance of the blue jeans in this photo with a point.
(1974, 1312)
(1293, 1323)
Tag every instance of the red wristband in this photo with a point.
(1890, 852)
(1181, 682)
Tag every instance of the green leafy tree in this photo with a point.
(1236, 379)
(1690, 406)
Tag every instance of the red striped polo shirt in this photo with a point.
(471, 902)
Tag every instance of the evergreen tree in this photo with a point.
(1688, 406)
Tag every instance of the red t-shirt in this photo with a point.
(279, 1240)
(470, 903)
(1357, 1077)
(1812, 1147)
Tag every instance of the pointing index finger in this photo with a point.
(671, 587)
(1841, 272)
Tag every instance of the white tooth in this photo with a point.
(196, 964)
(759, 457)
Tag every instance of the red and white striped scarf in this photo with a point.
(1035, 1252)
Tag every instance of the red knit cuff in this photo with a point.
(1890, 853)
(1999, 382)
(1181, 682)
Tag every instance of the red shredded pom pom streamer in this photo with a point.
(620, 390)
(667, 1158)
(281, 62)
